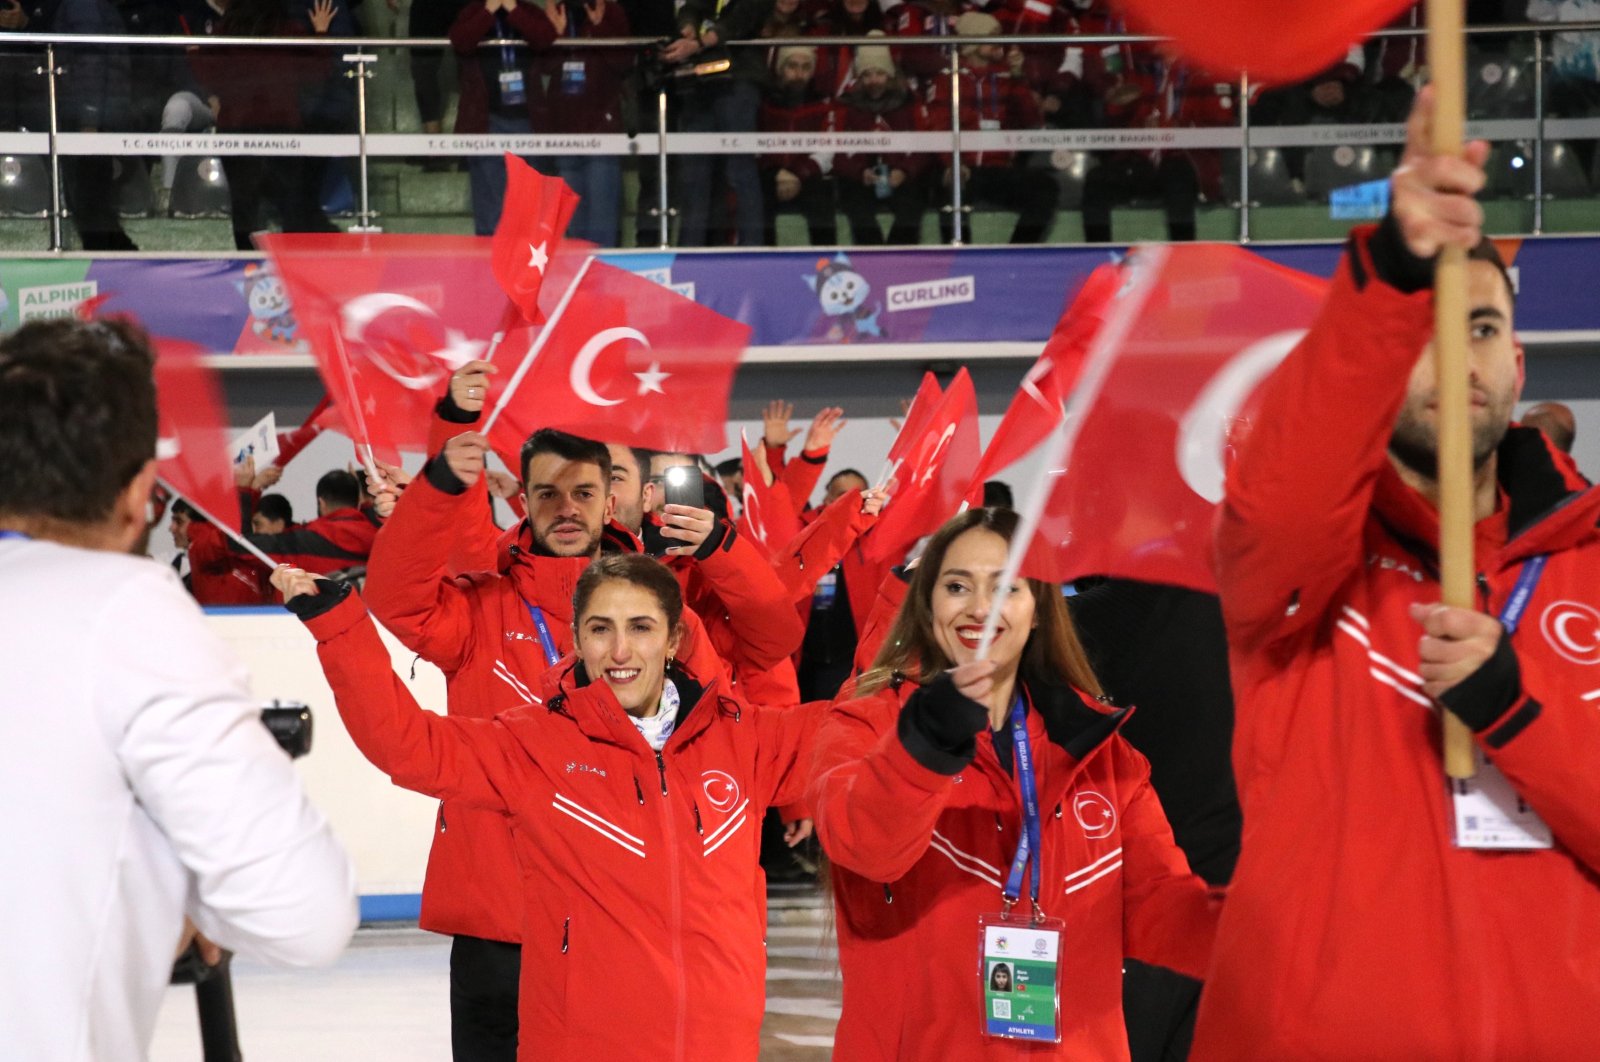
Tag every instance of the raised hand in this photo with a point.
(775, 428)
(464, 455)
(824, 426)
(469, 385)
(688, 525)
(322, 13)
(1432, 194)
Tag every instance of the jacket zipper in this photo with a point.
(698, 827)
(566, 933)
(442, 826)
(638, 790)
(675, 925)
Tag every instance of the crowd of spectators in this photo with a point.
(730, 198)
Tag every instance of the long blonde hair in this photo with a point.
(1052, 652)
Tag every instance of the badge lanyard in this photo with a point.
(508, 54)
(1522, 593)
(1029, 846)
(549, 643)
(1489, 813)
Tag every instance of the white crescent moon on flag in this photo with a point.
(361, 311)
(583, 364)
(1203, 432)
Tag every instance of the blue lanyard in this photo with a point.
(508, 54)
(1522, 593)
(15, 534)
(1030, 843)
(549, 643)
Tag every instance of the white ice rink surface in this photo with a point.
(388, 998)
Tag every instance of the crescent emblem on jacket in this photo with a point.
(1573, 630)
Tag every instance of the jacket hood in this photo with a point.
(1549, 505)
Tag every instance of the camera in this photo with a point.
(289, 723)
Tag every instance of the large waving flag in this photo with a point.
(1274, 40)
(935, 478)
(1137, 469)
(768, 514)
(389, 318)
(622, 360)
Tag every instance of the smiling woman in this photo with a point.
(929, 774)
(624, 763)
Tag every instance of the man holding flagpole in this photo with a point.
(1381, 910)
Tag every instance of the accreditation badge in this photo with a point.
(1490, 814)
(1020, 974)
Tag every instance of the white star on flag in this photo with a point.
(538, 258)
(650, 379)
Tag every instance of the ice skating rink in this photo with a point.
(388, 998)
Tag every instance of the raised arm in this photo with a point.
(474, 761)
(881, 779)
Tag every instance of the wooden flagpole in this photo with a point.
(1447, 63)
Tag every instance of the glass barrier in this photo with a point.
(182, 142)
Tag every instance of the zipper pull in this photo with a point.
(888, 897)
(998, 825)
(442, 826)
(661, 766)
(638, 790)
(566, 933)
(1483, 587)
(697, 827)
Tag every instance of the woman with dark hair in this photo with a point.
(1000, 978)
(635, 785)
(922, 774)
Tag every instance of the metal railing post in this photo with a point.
(1244, 158)
(1538, 134)
(955, 145)
(662, 211)
(361, 71)
(55, 148)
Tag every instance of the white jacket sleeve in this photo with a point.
(268, 878)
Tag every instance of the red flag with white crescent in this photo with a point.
(624, 360)
(936, 476)
(192, 445)
(768, 514)
(536, 212)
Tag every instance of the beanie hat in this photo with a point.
(874, 57)
(977, 24)
(785, 54)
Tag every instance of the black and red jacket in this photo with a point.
(342, 539)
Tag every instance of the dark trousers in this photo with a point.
(89, 188)
(483, 999)
(1031, 193)
(861, 204)
(1123, 178)
(1159, 1008)
(814, 202)
(726, 106)
(430, 18)
(282, 180)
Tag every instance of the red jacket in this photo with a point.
(342, 539)
(806, 113)
(478, 630)
(920, 839)
(639, 870)
(991, 98)
(595, 104)
(1354, 927)
(476, 24)
(898, 111)
(799, 475)
(259, 88)
(220, 574)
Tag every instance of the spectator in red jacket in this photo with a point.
(915, 791)
(627, 776)
(994, 98)
(925, 65)
(879, 102)
(258, 91)
(800, 180)
(212, 572)
(586, 87)
(836, 69)
(502, 90)
(340, 537)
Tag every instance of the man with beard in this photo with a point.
(798, 181)
(1377, 911)
(868, 183)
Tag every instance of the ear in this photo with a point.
(647, 496)
(611, 507)
(1522, 365)
(130, 512)
(675, 641)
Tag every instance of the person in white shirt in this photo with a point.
(138, 787)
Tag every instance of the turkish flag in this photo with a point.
(536, 212)
(389, 318)
(1037, 408)
(768, 515)
(1278, 41)
(625, 360)
(1206, 326)
(935, 477)
(192, 451)
(922, 405)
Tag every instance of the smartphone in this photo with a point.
(685, 485)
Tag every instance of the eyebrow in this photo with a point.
(551, 486)
(1486, 312)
